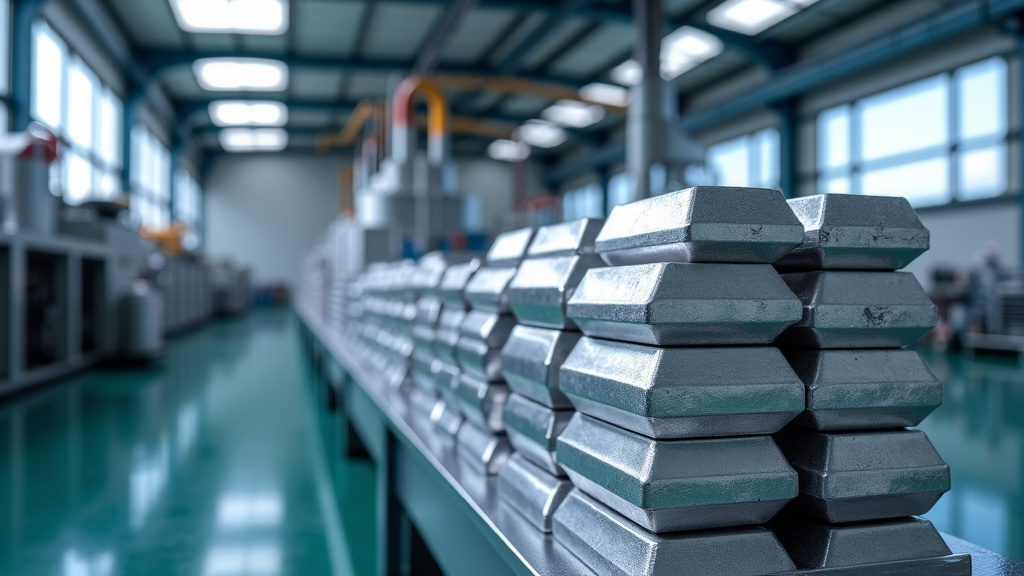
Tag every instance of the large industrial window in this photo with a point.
(70, 100)
(934, 141)
(188, 207)
(750, 160)
(151, 179)
(583, 202)
(620, 190)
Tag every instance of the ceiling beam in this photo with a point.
(159, 61)
(447, 25)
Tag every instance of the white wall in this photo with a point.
(493, 183)
(266, 210)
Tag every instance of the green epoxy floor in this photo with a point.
(216, 462)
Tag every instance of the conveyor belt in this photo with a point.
(456, 511)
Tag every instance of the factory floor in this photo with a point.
(218, 462)
(212, 463)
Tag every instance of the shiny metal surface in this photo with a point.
(530, 363)
(488, 288)
(854, 232)
(422, 402)
(701, 224)
(533, 430)
(814, 544)
(531, 491)
(683, 392)
(454, 281)
(482, 336)
(446, 417)
(612, 545)
(447, 333)
(670, 485)
(509, 247)
(541, 288)
(483, 451)
(865, 389)
(859, 310)
(428, 310)
(482, 402)
(425, 370)
(676, 304)
(857, 476)
(565, 238)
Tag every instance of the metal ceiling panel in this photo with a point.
(367, 85)
(818, 18)
(315, 84)
(148, 24)
(478, 30)
(528, 25)
(327, 28)
(711, 70)
(180, 82)
(214, 41)
(398, 30)
(599, 51)
(679, 7)
(524, 105)
(310, 118)
(266, 44)
(548, 48)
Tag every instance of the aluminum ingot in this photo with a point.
(448, 332)
(488, 288)
(701, 224)
(675, 304)
(670, 485)
(432, 267)
(533, 430)
(425, 368)
(453, 283)
(612, 545)
(509, 247)
(423, 336)
(856, 476)
(906, 546)
(859, 310)
(540, 289)
(531, 491)
(683, 392)
(482, 402)
(854, 232)
(865, 389)
(428, 310)
(482, 336)
(446, 417)
(422, 402)
(530, 363)
(565, 238)
(481, 450)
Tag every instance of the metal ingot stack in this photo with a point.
(481, 391)
(678, 390)
(863, 474)
(536, 412)
(446, 414)
(389, 310)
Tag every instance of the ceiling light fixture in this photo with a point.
(542, 134)
(754, 16)
(248, 113)
(628, 73)
(573, 113)
(508, 150)
(256, 74)
(608, 94)
(681, 50)
(253, 139)
(246, 16)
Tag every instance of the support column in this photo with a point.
(131, 106)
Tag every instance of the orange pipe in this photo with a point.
(437, 119)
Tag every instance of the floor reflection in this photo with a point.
(201, 465)
(978, 431)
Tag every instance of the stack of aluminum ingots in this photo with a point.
(446, 415)
(537, 411)
(481, 391)
(389, 310)
(863, 474)
(677, 389)
(427, 366)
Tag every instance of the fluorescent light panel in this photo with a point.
(683, 49)
(253, 139)
(248, 113)
(508, 150)
(245, 16)
(609, 94)
(573, 113)
(256, 74)
(754, 16)
(542, 134)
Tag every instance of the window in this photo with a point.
(584, 202)
(933, 141)
(151, 179)
(750, 160)
(188, 207)
(69, 98)
(620, 190)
